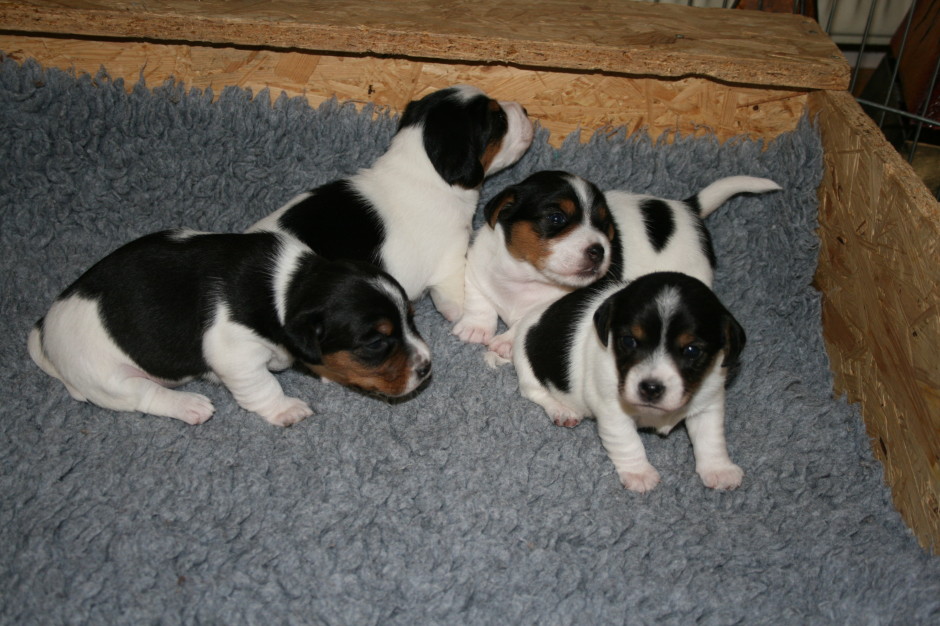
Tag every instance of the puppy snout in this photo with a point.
(423, 369)
(595, 253)
(651, 390)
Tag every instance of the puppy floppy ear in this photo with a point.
(304, 332)
(499, 205)
(453, 151)
(734, 341)
(602, 319)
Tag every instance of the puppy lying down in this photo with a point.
(177, 305)
(648, 354)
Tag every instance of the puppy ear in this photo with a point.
(734, 341)
(304, 332)
(453, 152)
(602, 320)
(498, 205)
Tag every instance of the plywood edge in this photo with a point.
(562, 102)
(639, 39)
(879, 272)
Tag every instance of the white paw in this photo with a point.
(468, 332)
(501, 345)
(288, 412)
(193, 408)
(494, 361)
(721, 476)
(641, 479)
(562, 415)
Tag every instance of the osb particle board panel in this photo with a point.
(561, 102)
(879, 269)
(604, 36)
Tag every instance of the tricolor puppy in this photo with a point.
(659, 235)
(648, 354)
(177, 305)
(542, 238)
(509, 274)
(411, 212)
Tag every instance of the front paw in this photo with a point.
(641, 479)
(501, 345)
(721, 476)
(288, 412)
(468, 332)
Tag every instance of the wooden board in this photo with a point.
(879, 270)
(609, 36)
(559, 101)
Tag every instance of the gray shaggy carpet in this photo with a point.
(464, 505)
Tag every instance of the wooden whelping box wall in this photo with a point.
(594, 66)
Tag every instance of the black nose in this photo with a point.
(423, 369)
(651, 390)
(595, 252)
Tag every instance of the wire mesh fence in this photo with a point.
(894, 49)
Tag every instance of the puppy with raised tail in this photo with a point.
(648, 354)
(178, 305)
(542, 238)
(411, 212)
(521, 261)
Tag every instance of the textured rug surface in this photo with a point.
(462, 505)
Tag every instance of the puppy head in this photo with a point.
(667, 331)
(468, 135)
(352, 323)
(558, 223)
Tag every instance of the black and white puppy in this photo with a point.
(177, 305)
(648, 354)
(411, 212)
(542, 238)
(509, 275)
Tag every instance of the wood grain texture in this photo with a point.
(742, 47)
(879, 269)
(559, 101)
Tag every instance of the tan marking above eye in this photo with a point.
(685, 339)
(568, 205)
(638, 332)
(385, 327)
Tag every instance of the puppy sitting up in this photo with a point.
(648, 354)
(177, 305)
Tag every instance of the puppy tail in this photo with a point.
(716, 194)
(38, 354)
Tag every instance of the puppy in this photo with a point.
(648, 354)
(659, 235)
(510, 275)
(177, 305)
(542, 238)
(411, 213)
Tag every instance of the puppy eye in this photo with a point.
(377, 345)
(691, 352)
(628, 342)
(558, 218)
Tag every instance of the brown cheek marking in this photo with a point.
(390, 378)
(526, 245)
(492, 149)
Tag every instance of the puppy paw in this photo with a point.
(193, 408)
(641, 479)
(494, 361)
(469, 332)
(501, 345)
(721, 476)
(288, 412)
(564, 416)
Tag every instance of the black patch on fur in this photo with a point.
(704, 237)
(548, 342)
(337, 223)
(156, 294)
(456, 132)
(659, 222)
